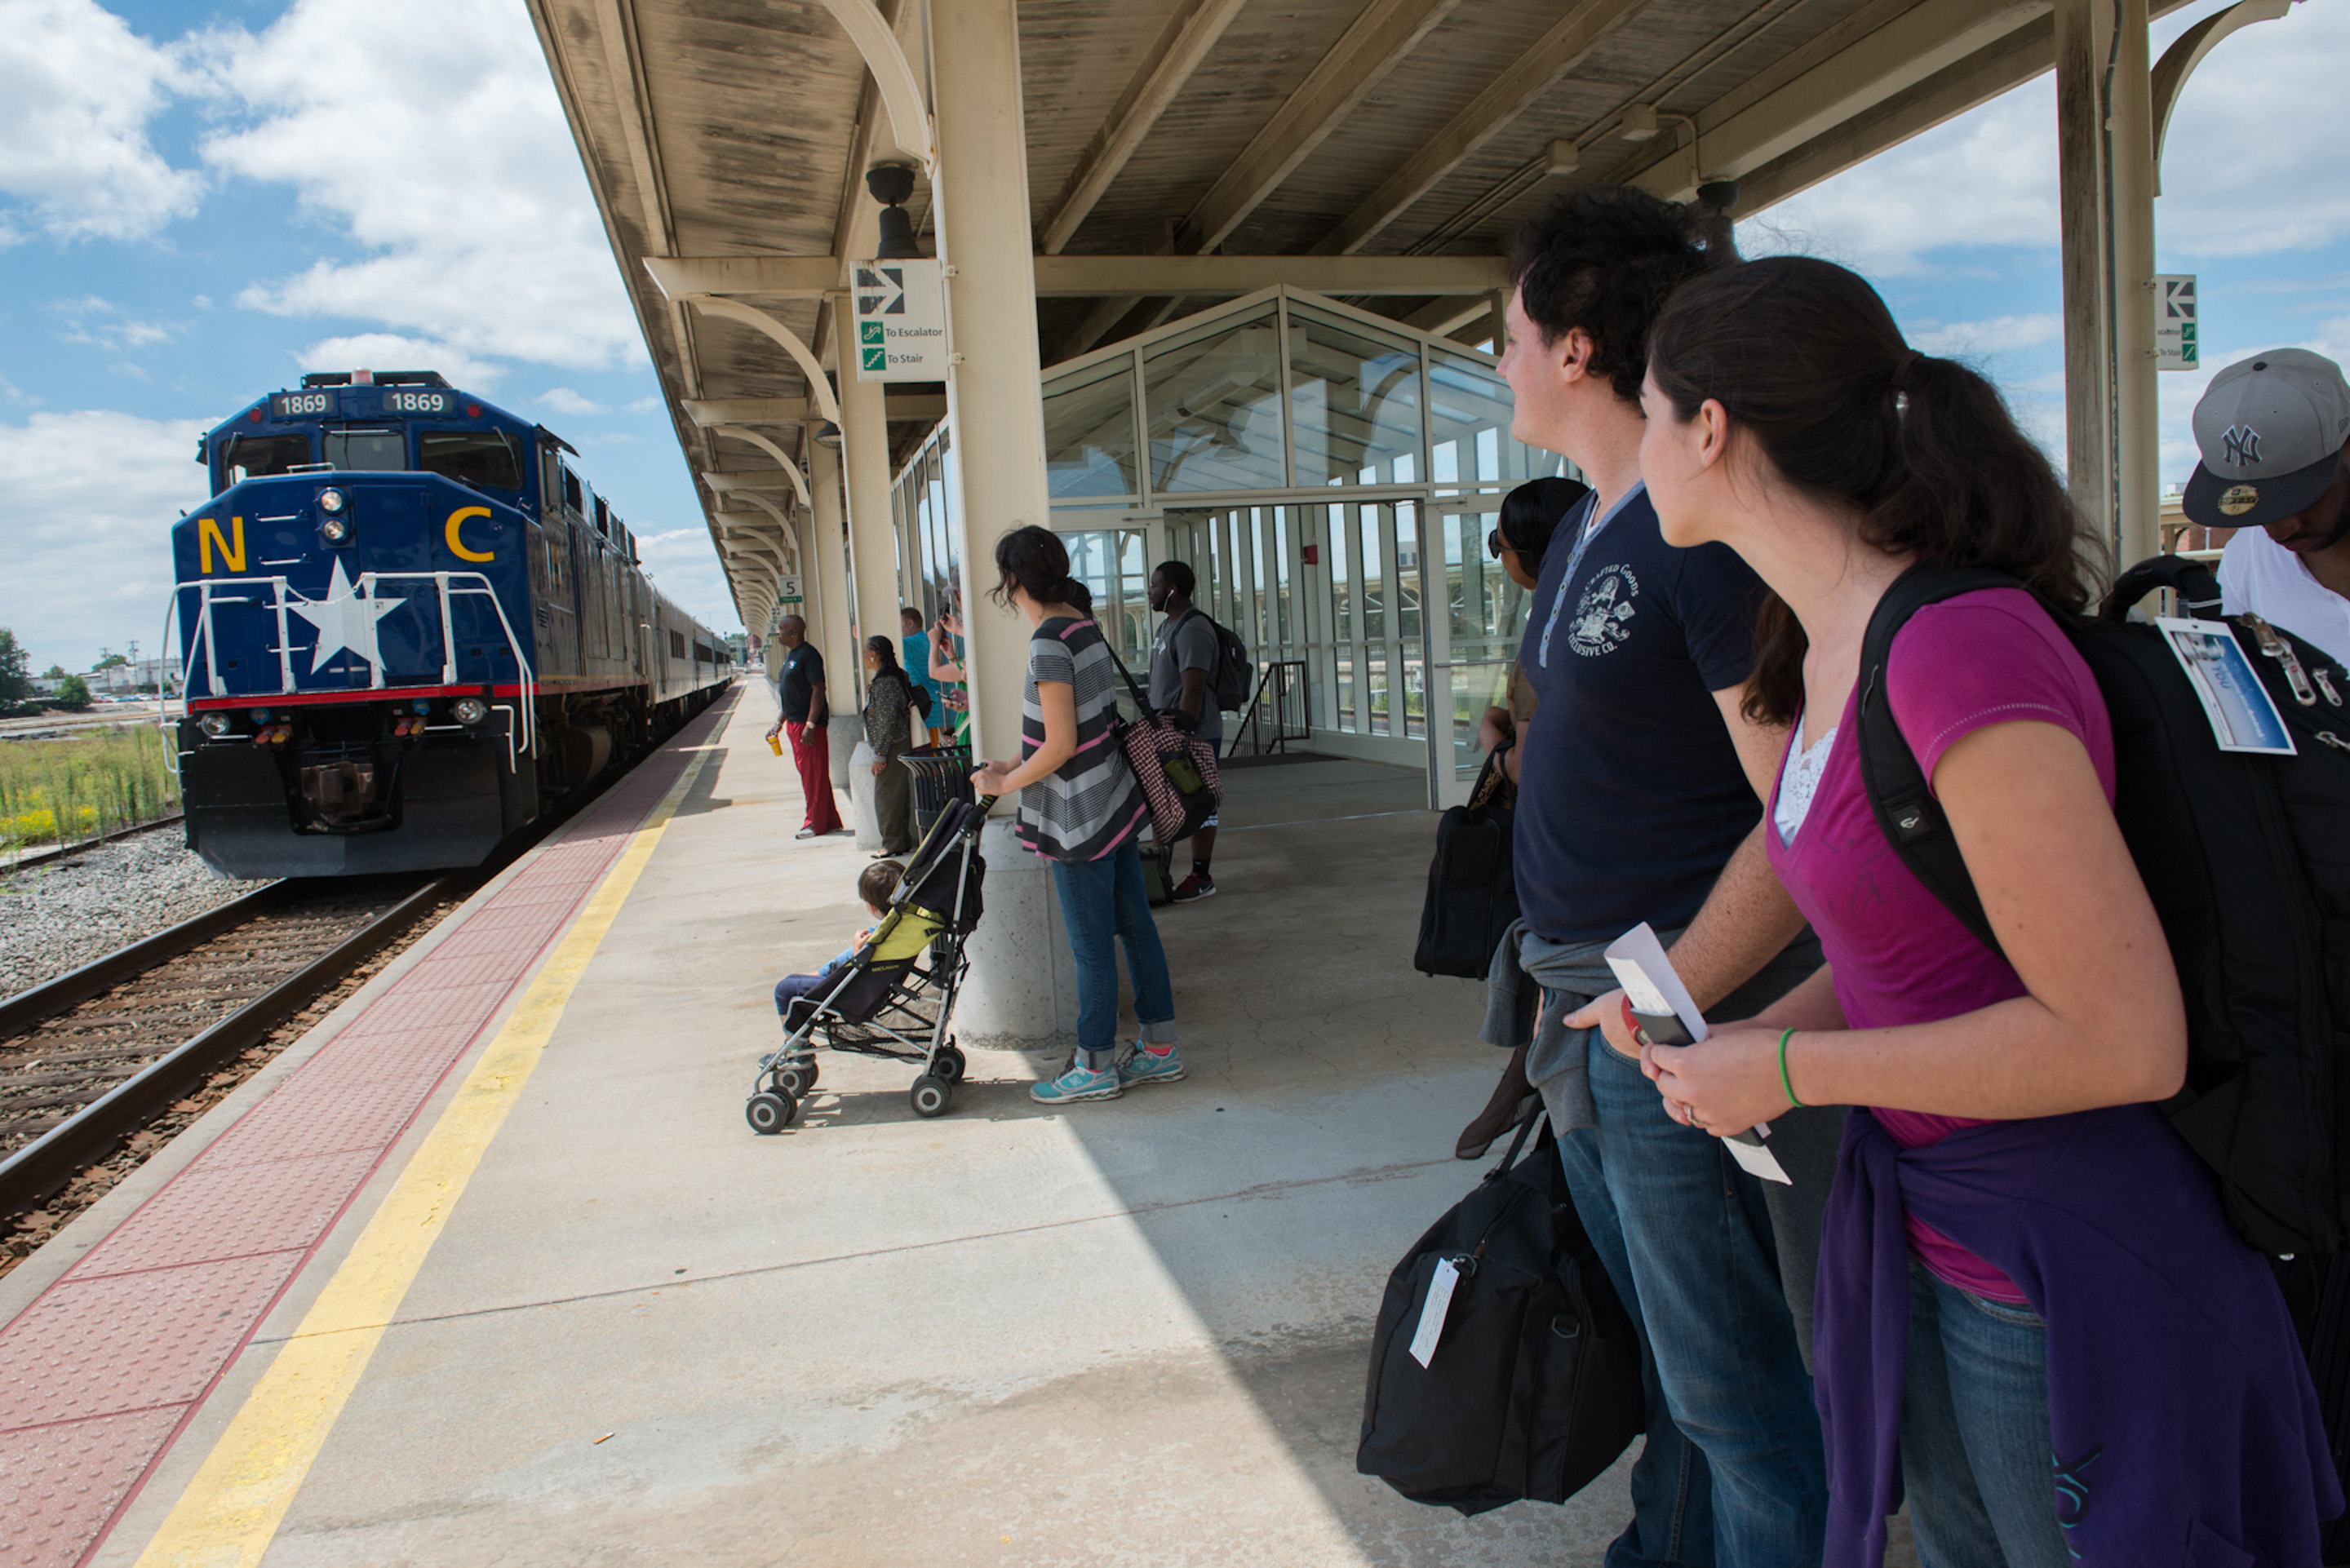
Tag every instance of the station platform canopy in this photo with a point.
(1211, 273)
(1180, 152)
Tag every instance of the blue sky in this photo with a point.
(197, 206)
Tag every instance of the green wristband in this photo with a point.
(1785, 1082)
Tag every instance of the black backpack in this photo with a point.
(2247, 859)
(1472, 896)
(1233, 681)
(1535, 1386)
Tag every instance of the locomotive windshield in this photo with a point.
(482, 458)
(258, 457)
(367, 452)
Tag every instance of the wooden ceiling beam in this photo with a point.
(1167, 66)
(1586, 24)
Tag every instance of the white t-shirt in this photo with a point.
(2260, 577)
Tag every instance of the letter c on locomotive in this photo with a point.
(454, 534)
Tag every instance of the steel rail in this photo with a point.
(34, 1172)
(48, 856)
(76, 986)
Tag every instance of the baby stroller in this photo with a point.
(895, 995)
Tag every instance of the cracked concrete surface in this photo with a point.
(1124, 1333)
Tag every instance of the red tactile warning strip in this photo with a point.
(99, 1372)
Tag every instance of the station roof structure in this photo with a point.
(1183, 152)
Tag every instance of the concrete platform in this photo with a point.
(1123, 1333)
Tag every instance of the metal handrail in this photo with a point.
(1286, 688)
(447, 587)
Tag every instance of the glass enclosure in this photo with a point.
(1325, 473)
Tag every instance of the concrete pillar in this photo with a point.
(1021, 989)
(863, 806)
(2104, 133)
(994, 390)
(842, 664)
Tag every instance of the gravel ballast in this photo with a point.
(59, 916)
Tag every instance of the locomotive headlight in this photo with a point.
(335, 529)
(469, 710)
(214, 724)
(330, 501)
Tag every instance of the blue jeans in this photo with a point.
(1733, 1471)
(1975, 1440)
(1103, 903)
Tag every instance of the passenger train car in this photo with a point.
(407, 628)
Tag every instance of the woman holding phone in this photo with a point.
(2033, 1315)
(1082, 808)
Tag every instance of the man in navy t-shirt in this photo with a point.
(1639, 787)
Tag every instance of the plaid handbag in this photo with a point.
(1176, 769)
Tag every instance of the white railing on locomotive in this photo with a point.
(447, 587)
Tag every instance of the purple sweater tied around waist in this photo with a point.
(2185, 1428)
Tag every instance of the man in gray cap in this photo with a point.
(2274, 432)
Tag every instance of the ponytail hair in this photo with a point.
(884, 651)
(1035, 560)
(1805, 357)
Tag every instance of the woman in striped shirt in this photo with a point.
(1082, 809)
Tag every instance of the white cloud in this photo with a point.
(2237, 181)
(2252, 165)
(564, 400)
(77, 90)
(397, 352)
(1987, 177)
(1999, 335)
(645, 406)
(86, 501)
(106, 325)
(463, 194)
(689, 575)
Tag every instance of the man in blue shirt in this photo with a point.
(917, 663)
(1639, 788)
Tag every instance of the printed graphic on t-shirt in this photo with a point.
(1602, 615)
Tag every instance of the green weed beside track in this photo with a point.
(65, 790)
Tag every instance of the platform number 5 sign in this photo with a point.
(2174, 322)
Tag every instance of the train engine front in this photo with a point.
(355, 624)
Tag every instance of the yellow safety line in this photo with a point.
(231, 1511)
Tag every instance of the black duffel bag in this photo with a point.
(1533, 1386)
(1472, 895)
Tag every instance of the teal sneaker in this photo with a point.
(1147, 1067)
(1079, 1082)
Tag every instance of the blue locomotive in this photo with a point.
(407, 628)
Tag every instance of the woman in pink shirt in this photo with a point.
(1787, 419)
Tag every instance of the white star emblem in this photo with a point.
(344, 620)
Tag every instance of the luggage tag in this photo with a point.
(1434, 1310)
(2242, 714)
(1667, 1014)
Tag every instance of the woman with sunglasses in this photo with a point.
(1529, 515)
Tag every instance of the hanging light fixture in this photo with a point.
(890, 184)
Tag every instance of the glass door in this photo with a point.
(1111, 562)
(1484, 618)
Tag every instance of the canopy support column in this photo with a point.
(2104, 133)
(1022, 989)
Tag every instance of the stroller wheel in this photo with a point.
(930, 1096)
(947, 1068)
(798, 1076)
(771, 1112)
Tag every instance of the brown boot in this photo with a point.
(1505, 1110)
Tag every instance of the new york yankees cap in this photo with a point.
(2271, 430)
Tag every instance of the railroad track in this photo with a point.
(90, 1058)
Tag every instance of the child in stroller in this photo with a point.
(876, 884)
(892, 993)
